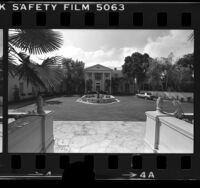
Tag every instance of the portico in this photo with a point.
(98, 78)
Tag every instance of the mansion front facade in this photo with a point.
(100, 78)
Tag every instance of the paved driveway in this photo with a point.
(100, 137)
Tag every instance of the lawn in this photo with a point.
(130, 108)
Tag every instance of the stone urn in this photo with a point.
(159, 104)
(40, 104)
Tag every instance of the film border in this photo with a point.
(123, 164)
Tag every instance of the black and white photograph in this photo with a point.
(100, 91)
(1, 89)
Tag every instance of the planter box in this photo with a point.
(176, 136)
(31, 134)
(167, 134)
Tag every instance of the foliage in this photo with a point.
(154, 75)
(116, 82)
(22, 44)
(107, 85)
(73, 76)
(89, 85)
(35, 41)
(161, 74)
(135, 67)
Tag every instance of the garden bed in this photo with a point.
(95, 99)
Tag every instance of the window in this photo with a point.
(127, 88)
(98, 76)
(107, 75)
(89, 75)
(21, 88)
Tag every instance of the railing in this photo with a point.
(167, 134)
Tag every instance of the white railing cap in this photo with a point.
(179, 125)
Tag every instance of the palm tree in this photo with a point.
(24, 43)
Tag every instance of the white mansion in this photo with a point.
(100, 78)
(97, 78)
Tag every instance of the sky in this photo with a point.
(1, 42)
(110, 47)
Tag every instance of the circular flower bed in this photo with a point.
(97, 99)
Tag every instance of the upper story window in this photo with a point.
(98, 76)
(21, 87)
(107, 75)
(89, 74)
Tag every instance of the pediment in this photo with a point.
(98, 67)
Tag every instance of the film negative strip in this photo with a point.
(99, 90)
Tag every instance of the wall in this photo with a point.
(167, 94)
(167, 134)
(176, 136)
(14, 81)
(31, 134)
(28, 91)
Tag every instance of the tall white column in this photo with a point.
(110, 82)
(93, 81)
(103, 85)
(85, 82)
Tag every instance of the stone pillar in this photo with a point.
(167, 134)
(153, 129)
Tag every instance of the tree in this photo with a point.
(167, 70)
(107, 85)
(187, 61)
(185, 72)
(89, 85)
(154, 75)
(22, 44)
(135, 68)
(115, 84)
(74, 76)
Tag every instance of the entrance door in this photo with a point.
(98, 87)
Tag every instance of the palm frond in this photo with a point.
(24, 57)
(27, 70)
(52, 65)
(50, 72)
(52, 61)
(36, 41)
(12, 66)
